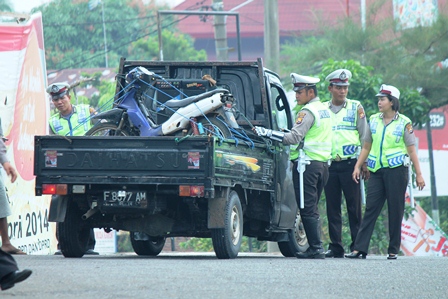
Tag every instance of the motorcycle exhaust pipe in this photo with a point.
(89, 214)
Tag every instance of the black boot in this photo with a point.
(312, 230)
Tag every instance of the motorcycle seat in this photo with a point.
(176, 103)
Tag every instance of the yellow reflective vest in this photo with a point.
(345, 134)
(317, 141)
(388, 147)
(76, 125)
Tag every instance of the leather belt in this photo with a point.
(339, 159)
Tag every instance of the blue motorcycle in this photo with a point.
(209, 112)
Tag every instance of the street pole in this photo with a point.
(363, 15)
(104, 33)
(432, 176)
(221, 45)
(271, 35)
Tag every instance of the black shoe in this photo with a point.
(356, 255)
(14, 277)
(58, 252)
(91, 252)
(310, 254)
(392, 256)
(331, 253)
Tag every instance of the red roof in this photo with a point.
(295, 16)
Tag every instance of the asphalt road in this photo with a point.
(187, 275)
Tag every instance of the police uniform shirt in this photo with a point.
(409, 137)
(361, 121)
(303, 123)
(66, 117)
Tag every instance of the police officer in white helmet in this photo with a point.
(312, 130)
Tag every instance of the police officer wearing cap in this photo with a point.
(388, 146)
(72, 120)
(312, 130)
(349, 129)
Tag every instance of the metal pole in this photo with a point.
(159, 32)
(363, 14)
(207, 13)
(104, 32)
(434, 202)
(237, 19)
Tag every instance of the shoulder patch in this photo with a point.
(409, 128)
(300, 117)
(361, 113)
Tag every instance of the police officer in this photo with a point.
(389, 144)
(70, 121)
(349, 128)
(312, 130)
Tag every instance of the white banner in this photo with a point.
(24, 113)
(421, 236)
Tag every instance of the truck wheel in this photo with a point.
(72, 235)
(297, 240)
(106, 129)
(153, 246)
(227, 240)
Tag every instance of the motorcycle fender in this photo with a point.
(113, 115)
(58, 208)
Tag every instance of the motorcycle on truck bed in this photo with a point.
(176, 157)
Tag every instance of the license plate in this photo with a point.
(125, 198)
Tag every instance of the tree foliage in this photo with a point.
(74, 34)
(5, 5)
(406, 58)
(176, 47)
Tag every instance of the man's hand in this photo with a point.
(274, 135)
(365, 172)
(263, 132)
(10, 171)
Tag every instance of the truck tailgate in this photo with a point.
(126, 157)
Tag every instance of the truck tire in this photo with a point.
(106, 129)
(152, 247)
(297, 240)
(72, 235)
(227, 240)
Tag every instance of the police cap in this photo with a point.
(58, 90)
(300, 82)
(386, 90)
(339, 77)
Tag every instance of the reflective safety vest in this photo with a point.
(345, 135)
(388, 147)
(317, 141)
(76, 125)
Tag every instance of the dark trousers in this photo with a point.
(314, 179)
(7, 264)
(385, 184)
(340, 180)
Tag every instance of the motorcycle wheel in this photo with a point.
(107, 129)
(215, 126)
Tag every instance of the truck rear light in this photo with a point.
(56, 189)
(191, 191)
